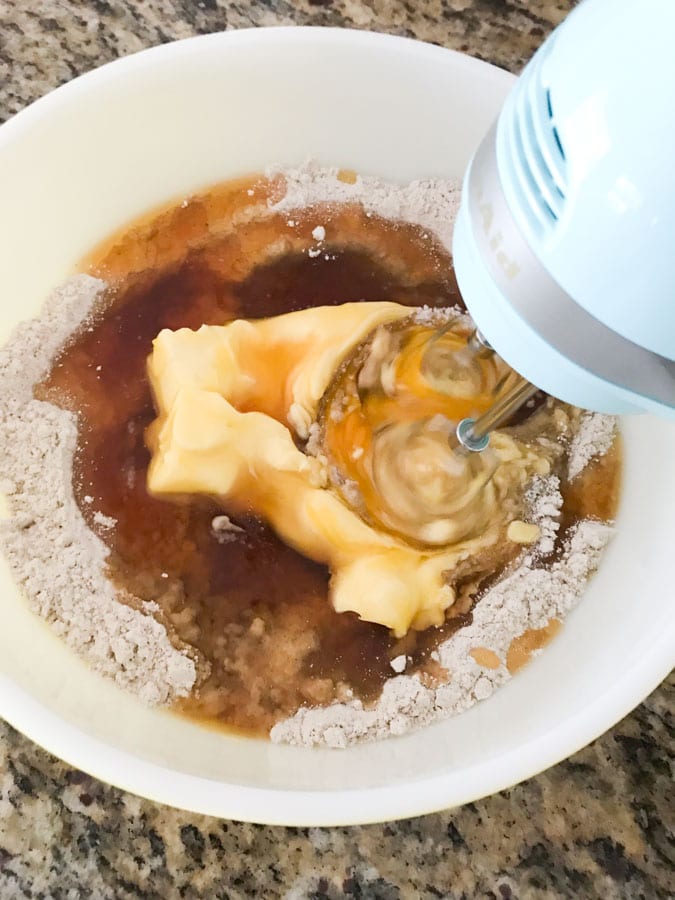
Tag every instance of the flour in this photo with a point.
(106, 522)
(594, 438)
(527, 598)
(224, 530)
(432, 205)
(56, 559)
(434, 317)
(544, 502)
(399, 663)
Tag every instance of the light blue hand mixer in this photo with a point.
(564, 247)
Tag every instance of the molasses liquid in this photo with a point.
(255, 614)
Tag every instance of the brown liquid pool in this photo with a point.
(255, 613)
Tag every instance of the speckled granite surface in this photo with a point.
(599, 825)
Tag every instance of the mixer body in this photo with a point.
(564, 246)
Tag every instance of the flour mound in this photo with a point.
(57, 560)
(431, 204)
(594, 438)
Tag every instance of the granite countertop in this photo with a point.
(598, 825)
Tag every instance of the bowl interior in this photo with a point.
(159, 125)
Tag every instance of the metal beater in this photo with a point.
(474, 434)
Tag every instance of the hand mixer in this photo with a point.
(564, 247)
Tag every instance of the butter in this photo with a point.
(523, 532)
(279, 366)
(229, 399)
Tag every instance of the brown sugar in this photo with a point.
(486, 658)
(249, 614)
(525, 645)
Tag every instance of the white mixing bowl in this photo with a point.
(108, 146)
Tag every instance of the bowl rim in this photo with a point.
(272, 806)
(327, 807)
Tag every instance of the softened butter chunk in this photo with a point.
(226, 396)
(229, 399)
(523, 532)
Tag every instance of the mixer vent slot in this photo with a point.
(534, 148)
